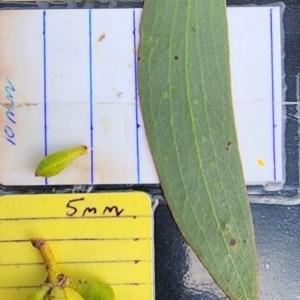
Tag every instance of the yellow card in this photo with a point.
(107, 236)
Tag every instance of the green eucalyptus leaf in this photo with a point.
(184, 86)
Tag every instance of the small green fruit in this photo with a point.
(90, 289)
(54, 163)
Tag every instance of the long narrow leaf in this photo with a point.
(184, 85)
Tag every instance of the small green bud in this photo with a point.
(40, 293)
(90, 289)
(54, 163)
(58, 293)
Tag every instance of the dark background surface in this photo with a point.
(178, 273)
(180, 276)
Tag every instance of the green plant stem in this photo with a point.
(50, 262)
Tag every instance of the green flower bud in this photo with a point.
(54, 163)
(40, 293)
(90, 289)
(58, 293)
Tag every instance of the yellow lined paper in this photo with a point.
(105, 236)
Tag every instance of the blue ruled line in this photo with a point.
(45, 89)
(273, 94)
(137, 126)
(91, 98)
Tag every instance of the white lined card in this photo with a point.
(74, 78)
